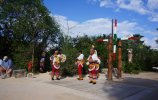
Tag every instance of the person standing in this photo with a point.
(97, 63)
(55, 62)
(92, 59)
(42, 67)
(42, 62)
(29, 66)
(80, 61)
(6, 67)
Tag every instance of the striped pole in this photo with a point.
(114, 39)
(112, 28)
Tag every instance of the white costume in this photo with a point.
(80, 57)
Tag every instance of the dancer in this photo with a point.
(55, 61)
(92, 59)
(80, 61)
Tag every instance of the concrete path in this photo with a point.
(131, 87)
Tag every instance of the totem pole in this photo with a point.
(112, 47)
(114, 44)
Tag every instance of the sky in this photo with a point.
(93, 17)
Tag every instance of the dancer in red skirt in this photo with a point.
(92, 60)
(55, 61)
(80, 61)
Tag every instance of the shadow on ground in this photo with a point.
(132, 89)
(128, 88)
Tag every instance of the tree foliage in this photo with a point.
(24, 27)
(144, 58)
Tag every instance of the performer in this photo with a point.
(92, 59)
(95, 51)
(97, 65)
(55, 61)
(80, 61)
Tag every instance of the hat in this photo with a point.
(5, 57)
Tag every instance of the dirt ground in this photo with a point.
(43, 88)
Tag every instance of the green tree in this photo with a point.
(68, 68)
(31, 24)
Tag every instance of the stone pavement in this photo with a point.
(124, 89)
(131, 87)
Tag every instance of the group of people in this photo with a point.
(6, 67)
(93, 62)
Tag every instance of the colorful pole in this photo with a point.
(112, 42)
(114, 39)
(112, 28)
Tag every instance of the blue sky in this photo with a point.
(93, 17)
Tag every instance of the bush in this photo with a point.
(21, 56)
(131, 68)
(69, 68)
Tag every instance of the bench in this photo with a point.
(19, 73)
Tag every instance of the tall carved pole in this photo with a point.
(114, 39)
(119, 59)
(112, 46)
(110, 53)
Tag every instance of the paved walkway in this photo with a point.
(128, 88)
(131, 87)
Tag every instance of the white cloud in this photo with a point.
(127, 27)
(134, 5)
(95, 27)
(154, 17)
(152, 4)
(90, 27)
(150, 42)
(138, 6)
(64, 22)
(103, 3)
(106, 3)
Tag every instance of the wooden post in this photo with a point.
(119, 59)
(110, 58)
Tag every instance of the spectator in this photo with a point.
(29, 66)
(6, 67)
(42, 64)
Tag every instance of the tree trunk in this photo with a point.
(33, 57)
(119, 59)
(110, 59)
